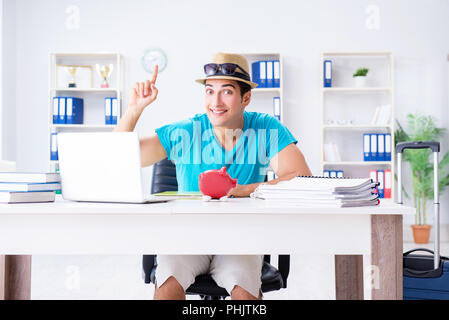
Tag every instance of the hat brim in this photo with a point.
(203, 81)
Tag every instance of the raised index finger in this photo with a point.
(156, 69)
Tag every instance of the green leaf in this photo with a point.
(361, 72)
(423, 128)
(444, 162)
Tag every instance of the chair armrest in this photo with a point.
(147, 264)
(284, 267)
(267, 258)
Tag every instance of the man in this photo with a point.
(246, 143)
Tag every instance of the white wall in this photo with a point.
(2, 126)
(8, 82)
(190, 31)
(2, 122)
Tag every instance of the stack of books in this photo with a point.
(19, 187)
(277, 108)
(267, 74)
(383, 177)
(333, 173)
(377, 147)
(112, 110)
(321, 191)
(382, 115)
(68, 110)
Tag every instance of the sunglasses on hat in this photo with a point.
(227, 69)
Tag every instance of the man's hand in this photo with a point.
(143, 93)
(240, 190)
(245, 190)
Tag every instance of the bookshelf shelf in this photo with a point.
(82, 126)
(89, 90)
(356, 127)
(358, 163)
(366, 89)
(268, 90)
(360, 54)
(344, 103)
(93, 90)
(84, 55)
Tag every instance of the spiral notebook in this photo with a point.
(321, 191)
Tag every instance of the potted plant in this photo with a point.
(360, 77)
(422, 128)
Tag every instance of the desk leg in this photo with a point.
(349, 277)
(15, 277)
(386, 257)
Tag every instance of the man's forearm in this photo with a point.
(128, 122)
(246, 189)
(289, 176)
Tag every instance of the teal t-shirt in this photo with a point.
(193, 147)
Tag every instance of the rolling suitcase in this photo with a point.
(425, 277)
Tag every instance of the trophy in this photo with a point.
(105, 72)
(71, 70)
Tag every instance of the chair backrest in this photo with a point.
(164, 177)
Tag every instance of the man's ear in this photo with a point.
(246, 99)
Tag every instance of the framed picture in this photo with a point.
(73, 76)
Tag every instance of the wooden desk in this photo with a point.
(238, 226)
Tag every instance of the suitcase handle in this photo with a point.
(434, 145)
(418, 249)
(423, 249)
(430, 273)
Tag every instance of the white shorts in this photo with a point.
(227, 270)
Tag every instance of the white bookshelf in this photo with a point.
(262, 98)
(93, 95)
(343, 102)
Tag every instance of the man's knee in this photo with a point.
(171, 289)
(238, 293)
(172, 284)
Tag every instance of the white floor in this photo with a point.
(119, 277)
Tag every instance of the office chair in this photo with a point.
(164, 179)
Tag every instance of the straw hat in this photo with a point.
(238, 59)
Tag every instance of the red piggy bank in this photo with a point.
(216, 183)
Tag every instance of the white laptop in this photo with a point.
(102, 167)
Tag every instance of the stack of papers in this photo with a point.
(18, 187)
(320, 191)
